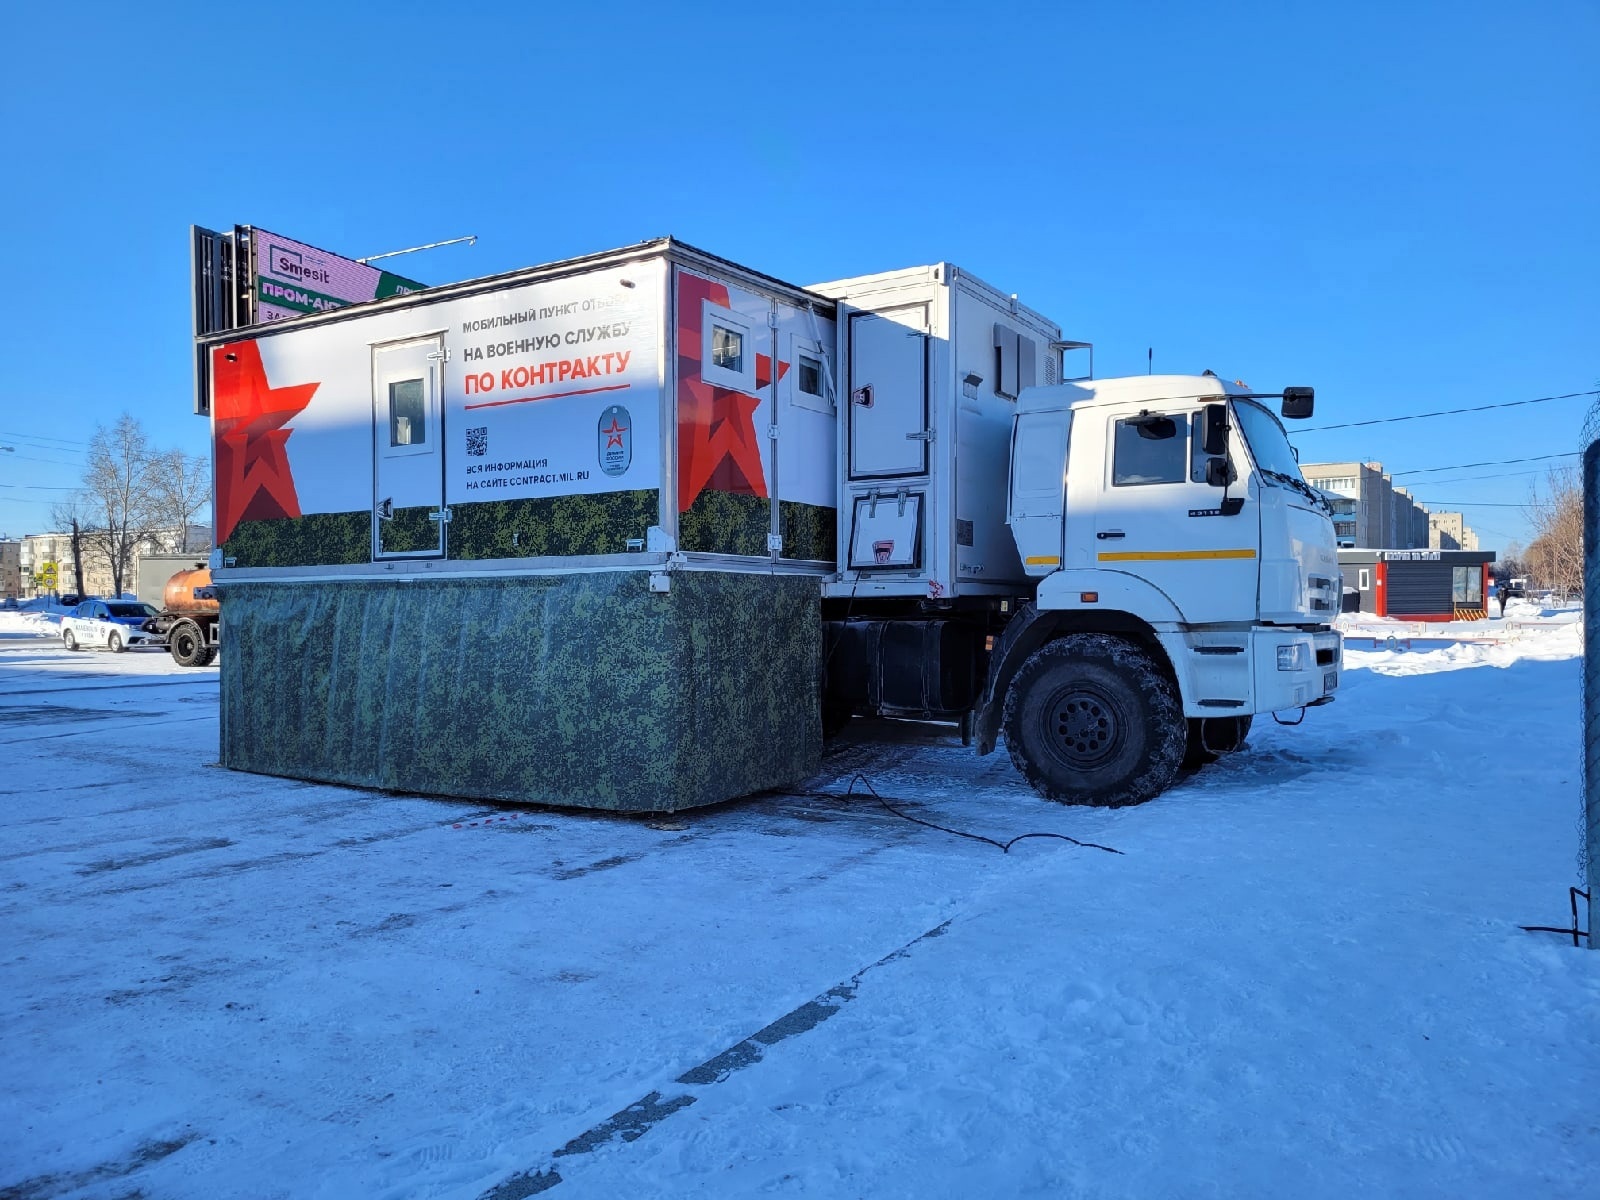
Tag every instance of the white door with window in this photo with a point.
(408, 514)
(1160, 520)
(888, 393)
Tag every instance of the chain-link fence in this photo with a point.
(1589, 848)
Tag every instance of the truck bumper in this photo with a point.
(1311, 663)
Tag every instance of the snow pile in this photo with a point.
(1550, 642)
(1302, 976)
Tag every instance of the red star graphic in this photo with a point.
(717, 442)
(254, 481)
(614, 434)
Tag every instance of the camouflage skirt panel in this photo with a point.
(583, 690)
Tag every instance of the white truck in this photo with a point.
(1181, 576)
(734, 475)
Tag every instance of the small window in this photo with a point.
(1152, 449)
(809, 379)
(1364, 579)
(727, 348)
(727, 354)
(408, 417)
(1467, 585)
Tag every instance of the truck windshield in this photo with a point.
(1269, 445)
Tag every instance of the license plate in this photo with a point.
(1330, 680)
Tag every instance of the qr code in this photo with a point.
(478, 441)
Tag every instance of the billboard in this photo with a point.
(291, 278)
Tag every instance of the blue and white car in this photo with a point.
(114, 624)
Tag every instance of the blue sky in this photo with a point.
(1394, 203)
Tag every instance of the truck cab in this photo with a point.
(1186, 578)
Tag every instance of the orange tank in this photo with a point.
(178, 596)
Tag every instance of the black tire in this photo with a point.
(67, 640)
(1220, 735)
(206, 657)
(1195, 754)
(114, 642)
(1092, 719)
(188, 645)
(835, 716)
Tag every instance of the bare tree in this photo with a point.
(182, 484)
(120, 494)
(67, 514)
(1555, 556)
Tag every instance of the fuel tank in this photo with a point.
(178, 596)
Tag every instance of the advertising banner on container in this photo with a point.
(292, 278)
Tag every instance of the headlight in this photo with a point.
(1294, 658)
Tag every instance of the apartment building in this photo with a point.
(10, 569)
(1370, 512)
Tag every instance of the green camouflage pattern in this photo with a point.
(728, 523)
(582, 690)
(725, 523)
(810, 531)
(312, 540)
(410, 530)
(555, 526)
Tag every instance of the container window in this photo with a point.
(1466, 585)
(727, 348)
(1150, 450)
(408, 417)
(1364, 579)
(810, 376)
(727, 351)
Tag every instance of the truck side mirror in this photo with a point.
(1214, 429)
(1217, 472)
(1298, 403)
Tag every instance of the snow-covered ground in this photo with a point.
(1301, 976)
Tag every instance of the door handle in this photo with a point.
(1110, 533)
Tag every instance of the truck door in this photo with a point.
(408, 514)
(1038, 487)
(889, 393)
(1158, 518)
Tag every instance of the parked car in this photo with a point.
(114, 624)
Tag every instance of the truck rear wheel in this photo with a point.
(188, 645)
(1091, 719)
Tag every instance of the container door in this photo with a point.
(889, 393)
(408, 514)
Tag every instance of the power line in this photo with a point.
(1504, 462)
(1474, 503)
(40, 437)
(55, 462)
(1449, 412)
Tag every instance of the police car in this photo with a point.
(114, 624)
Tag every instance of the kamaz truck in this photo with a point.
(634, 530)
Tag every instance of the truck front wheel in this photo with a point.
(188, 644)
(1091, 719)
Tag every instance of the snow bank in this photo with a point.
(1502, 647)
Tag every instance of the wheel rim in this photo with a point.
(1084, 726)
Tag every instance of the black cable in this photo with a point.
(1449, 412)
(1501, 462)
(1004, 847)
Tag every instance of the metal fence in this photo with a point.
(1589, 848)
